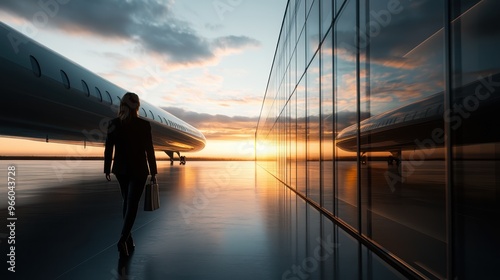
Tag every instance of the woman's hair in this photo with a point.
(129, 107)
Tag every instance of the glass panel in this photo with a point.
(301, 56)
(401, 132)
(377, 268)
(308, 5)
(293, 141)
(327, 123)
(301, 230)
(475, 100)
(312, 265)
(281, 144)
(312, 29)
(293, 69)
(301, 138)
(346, 112)
(327, 252)
(338, 5)
(301, 15)
(347, 258)
(313, 147)
(326, 11)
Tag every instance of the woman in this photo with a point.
(131, 138)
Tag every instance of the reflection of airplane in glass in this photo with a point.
(420, 125)
(46, 96)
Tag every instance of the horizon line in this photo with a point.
(102, 158)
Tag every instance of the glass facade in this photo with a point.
(381, 115)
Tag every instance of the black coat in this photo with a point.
(133, 148)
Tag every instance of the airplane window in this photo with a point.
(413, 115)
(98, 94)
(65, 79)
(165, 121)
(420, 114)
(427, 111)
(35, 66)
(85, 88)
(160, 119)
(108, 98)
(144, 114)
(119, 100)
(152, 115)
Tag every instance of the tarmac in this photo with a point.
(217, 220)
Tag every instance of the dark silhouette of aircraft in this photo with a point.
(473, 115)
(46, 96)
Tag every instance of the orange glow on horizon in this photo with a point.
(215, 149)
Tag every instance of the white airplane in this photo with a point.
(46, 96)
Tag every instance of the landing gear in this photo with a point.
(170, 154)
(393, 175)
(364, 158)
(394, 158)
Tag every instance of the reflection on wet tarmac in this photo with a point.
(218, 220)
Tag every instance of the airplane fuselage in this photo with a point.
(413, 125)
(46, 96)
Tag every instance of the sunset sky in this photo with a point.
(207, 62)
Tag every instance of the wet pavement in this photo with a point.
(217, 220)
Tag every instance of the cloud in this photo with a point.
(218, 127)
(233, 44)
(222, 127)
(150, 23)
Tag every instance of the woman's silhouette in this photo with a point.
(131, 138)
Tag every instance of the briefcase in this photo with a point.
(152, 197)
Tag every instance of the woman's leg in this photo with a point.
(124, 182)
(135, 190)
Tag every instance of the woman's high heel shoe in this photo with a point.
(122, 248)
(130, 244)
